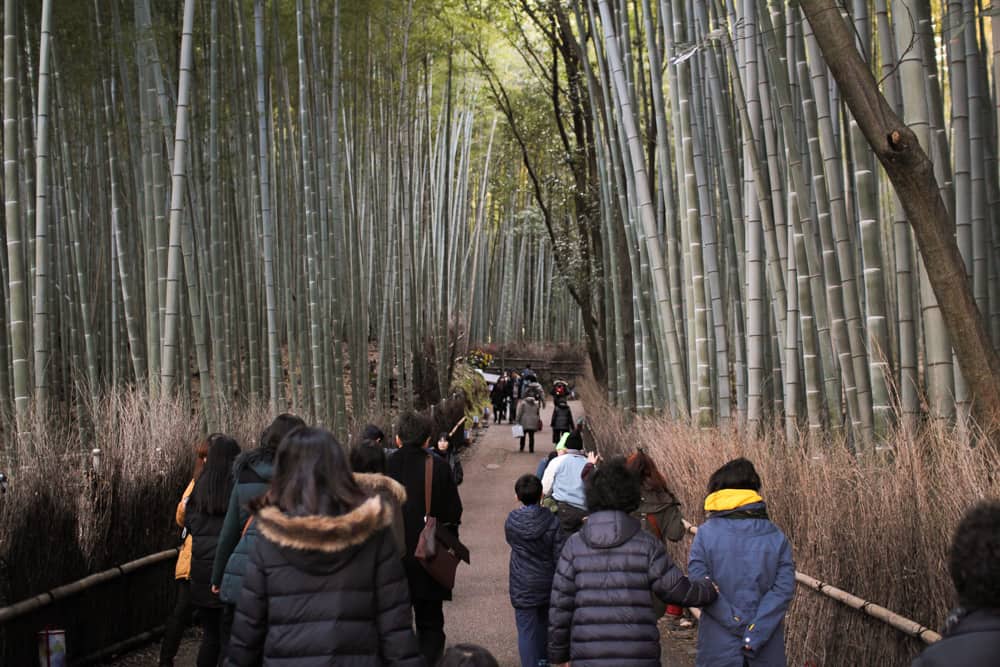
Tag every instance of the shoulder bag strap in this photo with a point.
(428, 478)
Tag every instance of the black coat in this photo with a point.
(325, 591)
(533, 535)
(406, 466)
(562, 418)
(600, 613)
(973, 641)
(204, 529)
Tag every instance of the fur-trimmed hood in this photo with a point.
(333, 534)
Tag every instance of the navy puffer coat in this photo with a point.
(533, 535)
(600, 613)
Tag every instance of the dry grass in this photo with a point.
(64, 516)
(878, 527)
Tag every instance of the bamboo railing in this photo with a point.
(891, 618)
(23, 607)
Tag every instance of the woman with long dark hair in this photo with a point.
(325, 577)
(180, 616)
(206, 510)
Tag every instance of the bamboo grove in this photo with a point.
(758, 268)
(293, 201)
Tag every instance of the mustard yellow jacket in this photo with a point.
(183, 568)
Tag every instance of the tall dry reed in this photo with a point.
(877, 526)
(67, 513)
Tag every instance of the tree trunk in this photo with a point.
(912, 176)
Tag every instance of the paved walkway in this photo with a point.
(481, 612)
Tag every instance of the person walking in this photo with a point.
(498, 397)
(563, 480)
(408, 466)
(751, 561)
(533, 535)
(659, 512)
(530, 418)
(204, 516)
(181, 613)
(251, 477)
(323, 584)
(562, 419)
(600, 614)
(972, 631)
(442, 449)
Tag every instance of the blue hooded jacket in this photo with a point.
(533, 535)
(750, 560)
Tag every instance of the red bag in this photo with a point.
(438, 550)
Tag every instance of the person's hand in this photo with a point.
(215, 589)
(714, 585)
(594, 458)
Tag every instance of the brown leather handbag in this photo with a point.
(438, 549)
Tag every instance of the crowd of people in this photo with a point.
(300, 552)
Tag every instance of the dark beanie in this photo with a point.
(574, 441)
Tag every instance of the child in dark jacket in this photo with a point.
(533, 535)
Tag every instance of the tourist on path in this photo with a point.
(498, 397)
(529, 416)
(532, 532)
(600, 614)
(324, 584)
(408, 467)
(562, 419)
(442, 449)
(659, 512)
(751, 561)
(251, 477)
(181, 613)
(972, 631)
(563, 480)
(204, 516)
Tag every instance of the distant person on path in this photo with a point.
(368, 460)
(324, 584)
(442, 449)
(532, 532)
(181, 614)
(600, 614)
(659, 512)
(534, 390)
(511, 402)
(562, 419)
(204, 516)
(498, 397)
(373, 435)
(407, 466)
(514, 397)
(751, 561)
(563, 480)
(530, 418)
(251, 477)
(972, 631)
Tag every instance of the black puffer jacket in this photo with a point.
(973, 640)
(533, 535)
(600, 614)
(325, 591)
(204, 529)
(562, 418)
